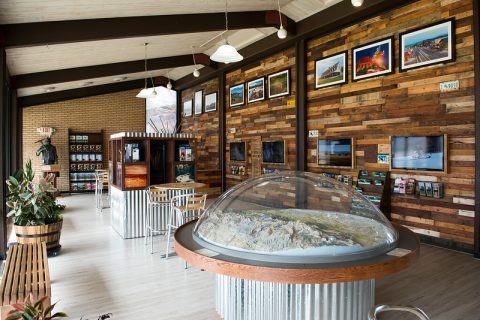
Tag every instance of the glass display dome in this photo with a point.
(295, 217)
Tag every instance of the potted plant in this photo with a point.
(36, 215)
(30, 310)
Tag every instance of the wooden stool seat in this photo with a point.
(26, 271)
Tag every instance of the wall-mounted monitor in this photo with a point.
(238, 151)
(273, 152)
(425, 153)
(336, 152)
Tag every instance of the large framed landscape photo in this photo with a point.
(424, 153)
(427, 45)
(279, 84)
(237, 95)
(373, 59)
(336, 153)
(187, 108)
(331, 70)
(256, 90)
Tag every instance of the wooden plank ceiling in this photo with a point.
(32, 57)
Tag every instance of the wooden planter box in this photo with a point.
(50, 234)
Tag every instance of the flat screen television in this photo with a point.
(273, 151)
(424, 153)
(335, 152)
(237, 151)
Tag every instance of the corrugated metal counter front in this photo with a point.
(129, 209)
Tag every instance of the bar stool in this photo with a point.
(101, 181)
(184, 208)
(372, 315)
(157, 197)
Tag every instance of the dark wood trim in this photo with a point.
(3, 152)
(333, 18)
(179, 110)
(476, 32)
(222, 108)
(54, 32)
(108, 70)
(301, 107)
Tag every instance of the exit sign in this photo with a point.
(449, 86)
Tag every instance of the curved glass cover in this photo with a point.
(295, 217)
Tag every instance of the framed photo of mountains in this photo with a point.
(373, 59)
(428, 45)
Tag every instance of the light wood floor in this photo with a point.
(98, 272)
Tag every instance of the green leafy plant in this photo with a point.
(32, 204)
(30, 310)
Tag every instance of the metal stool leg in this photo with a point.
(145, 225)
(151, 228)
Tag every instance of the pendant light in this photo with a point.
(147, 92)
(281, 33)
(226, 53)
(169, 84)
(357, 3)
(196, 72)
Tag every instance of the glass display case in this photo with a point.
(295, 217)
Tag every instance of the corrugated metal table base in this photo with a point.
(129, 208)
(240, 299)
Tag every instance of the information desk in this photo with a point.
(252, 289)
(129, 208)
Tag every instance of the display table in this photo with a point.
(252, 289)
(128, 208)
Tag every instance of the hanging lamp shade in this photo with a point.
(147, 93)
(226, 54)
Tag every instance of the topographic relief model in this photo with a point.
(292, 231)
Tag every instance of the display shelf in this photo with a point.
(378, 188)
(94, 141)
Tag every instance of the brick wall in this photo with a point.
(112, 113)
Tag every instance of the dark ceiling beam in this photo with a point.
(333, 18)
(87, 91)
(48, 33)
(107, 70)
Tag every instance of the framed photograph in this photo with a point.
(331, 70)
(198, 102)
(187, 108)
(238, 151)
(373, 59)
(427, 45)
(273, 152)
(336, 153)
(424, 153)
(279, 84)
(256, 90)
(211, 102)
(383, 158)
(237, 95)
(184, 173)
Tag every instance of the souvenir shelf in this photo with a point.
(375, 185)
(85, 156)
(138, 162)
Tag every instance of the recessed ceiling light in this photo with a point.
(118, 79)
(49, 89)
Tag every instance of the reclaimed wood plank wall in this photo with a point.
(408, 103)
(267, 120)
(205, 127)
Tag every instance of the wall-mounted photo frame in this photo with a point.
(279, 84)
(238, 151)
(237, 95)
(338, 153)
(211, 102)
(373, 59)
(427, 45)
(419, 153)
(198, 100)
(187, 108)
(274, 152)
(256, 90)
(331, 70)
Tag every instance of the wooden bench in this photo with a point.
(26, 271)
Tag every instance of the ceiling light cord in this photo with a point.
(145, 63)
(280, 14)
(281, 33)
